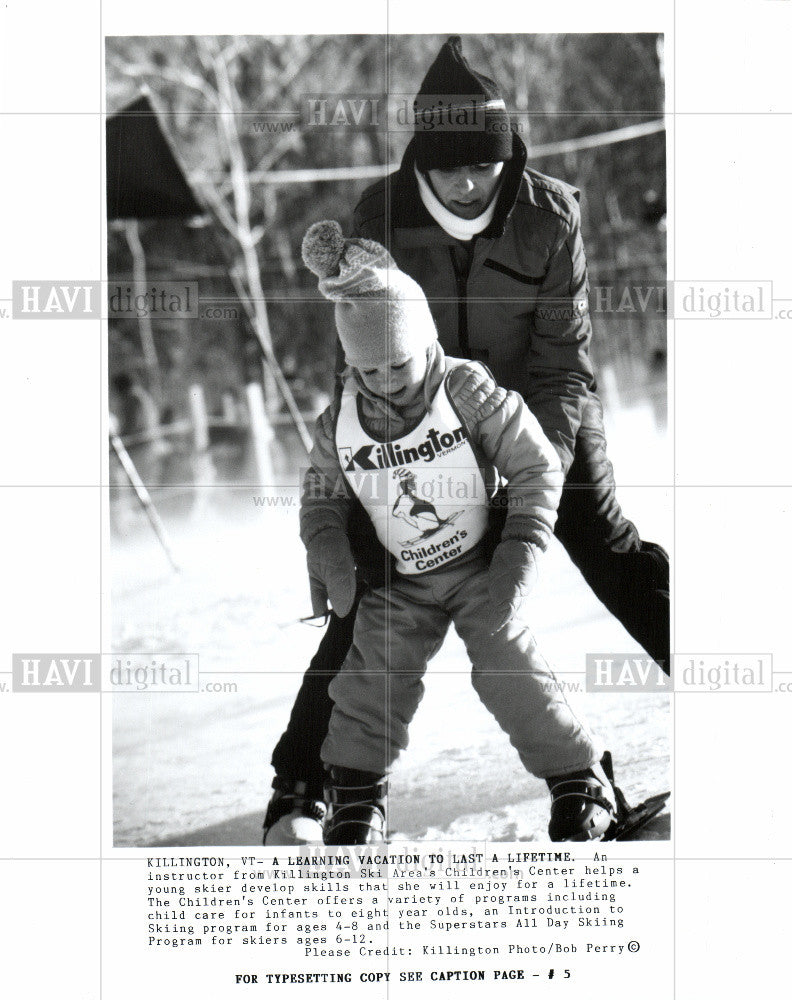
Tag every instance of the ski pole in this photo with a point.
(143, 496)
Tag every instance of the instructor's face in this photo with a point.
(466, 191)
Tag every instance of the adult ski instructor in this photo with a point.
(496, 247)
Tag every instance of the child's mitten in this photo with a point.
(331, 570)
(512, 575)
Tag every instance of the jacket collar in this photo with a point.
(416, 225)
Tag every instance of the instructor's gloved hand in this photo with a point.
(331, 570)
(511, 577)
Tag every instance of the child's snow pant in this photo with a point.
(399, 629)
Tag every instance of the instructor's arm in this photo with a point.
(558, 353)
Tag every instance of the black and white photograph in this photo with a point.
(321, 250)
(394, 499)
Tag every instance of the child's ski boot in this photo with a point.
(357, 807)
(584, 804)
(294, 815)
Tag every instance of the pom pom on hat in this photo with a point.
(381, 313)
(323, 247)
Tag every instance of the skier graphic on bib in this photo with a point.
(414, 510)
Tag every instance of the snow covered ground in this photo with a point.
(193, 768)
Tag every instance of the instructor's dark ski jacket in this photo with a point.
(515, 297)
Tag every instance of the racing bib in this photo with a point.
(424, 492)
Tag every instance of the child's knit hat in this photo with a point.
(381, 314)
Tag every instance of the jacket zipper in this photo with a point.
(462, 317)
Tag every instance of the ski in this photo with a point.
(634, 818)
(630, 819)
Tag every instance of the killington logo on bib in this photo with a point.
(391, 453)
(424, 492)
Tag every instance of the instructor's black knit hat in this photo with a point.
(460, 116)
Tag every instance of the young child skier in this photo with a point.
(422, 440)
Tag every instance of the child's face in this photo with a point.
(401, 383)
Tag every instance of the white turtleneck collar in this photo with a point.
(460, 229)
